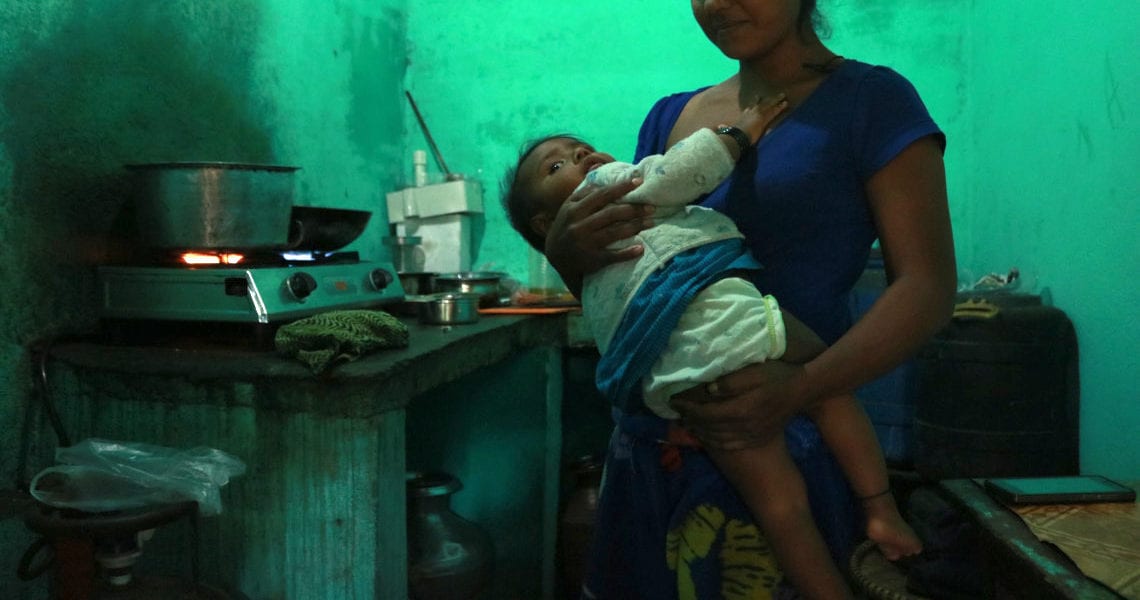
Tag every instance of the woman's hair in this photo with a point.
(519, 205)
(810, 19)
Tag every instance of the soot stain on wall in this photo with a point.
(105, 88)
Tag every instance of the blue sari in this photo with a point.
(669, 525)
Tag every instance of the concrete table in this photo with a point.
(320, 512)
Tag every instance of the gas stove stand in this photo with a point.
(224, 303)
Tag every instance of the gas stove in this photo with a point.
(261, 290)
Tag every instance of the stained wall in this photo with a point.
(86, 87)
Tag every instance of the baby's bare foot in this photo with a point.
(887, 528)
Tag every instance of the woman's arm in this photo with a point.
(589, 221)
(910, 208)
(908, 202)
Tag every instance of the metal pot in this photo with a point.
(448, 308)
(213, 205)
(487, 284)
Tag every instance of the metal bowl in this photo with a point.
(487, 284)
(448, 308)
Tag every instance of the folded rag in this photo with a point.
(325, 339)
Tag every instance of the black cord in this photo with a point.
(45, 396)
(826, 66)
(41, 351)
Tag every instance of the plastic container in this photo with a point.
(542, 279)
(998, 393)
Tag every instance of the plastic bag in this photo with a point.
(104, 475)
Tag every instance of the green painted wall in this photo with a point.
(1038, 105)
(1055, 188)
(88, 86)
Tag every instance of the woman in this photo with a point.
(855, 158)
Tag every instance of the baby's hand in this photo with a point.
(756, 119)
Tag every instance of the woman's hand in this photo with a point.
(745, 408)
(589, 221)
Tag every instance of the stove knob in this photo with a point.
(380, 278)
(300, 285)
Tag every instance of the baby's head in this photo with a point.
(547, 172)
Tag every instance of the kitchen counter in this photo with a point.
(320, 512)
(380, 381)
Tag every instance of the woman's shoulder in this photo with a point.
(871, 78)
(660, 120)
(884, 110)
(669, 107)
(679, 97)
(873, 92)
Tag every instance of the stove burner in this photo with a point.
(204, 259)
(196, 258)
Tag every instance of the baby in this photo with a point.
(683, 314)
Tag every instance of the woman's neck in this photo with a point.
(787, 68)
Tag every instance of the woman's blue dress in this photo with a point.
(669, 525)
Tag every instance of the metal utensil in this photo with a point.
(325, 229)
(486, 284)
(427, 135)
(448, 309)
(213, 205)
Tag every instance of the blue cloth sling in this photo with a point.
(654, 311)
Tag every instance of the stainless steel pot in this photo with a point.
(448, 309)
(213, 205)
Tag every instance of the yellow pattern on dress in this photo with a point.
(748, 568)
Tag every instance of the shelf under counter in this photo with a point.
(320, 511)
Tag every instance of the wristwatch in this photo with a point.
(737, 134)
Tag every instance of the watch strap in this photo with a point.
(742, 139)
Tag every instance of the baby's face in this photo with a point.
(555, 168)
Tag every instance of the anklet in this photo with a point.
(873, 496)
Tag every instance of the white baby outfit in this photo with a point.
(728, 324)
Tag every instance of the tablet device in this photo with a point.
(1059, 490)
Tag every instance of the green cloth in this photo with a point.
(325, 339)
